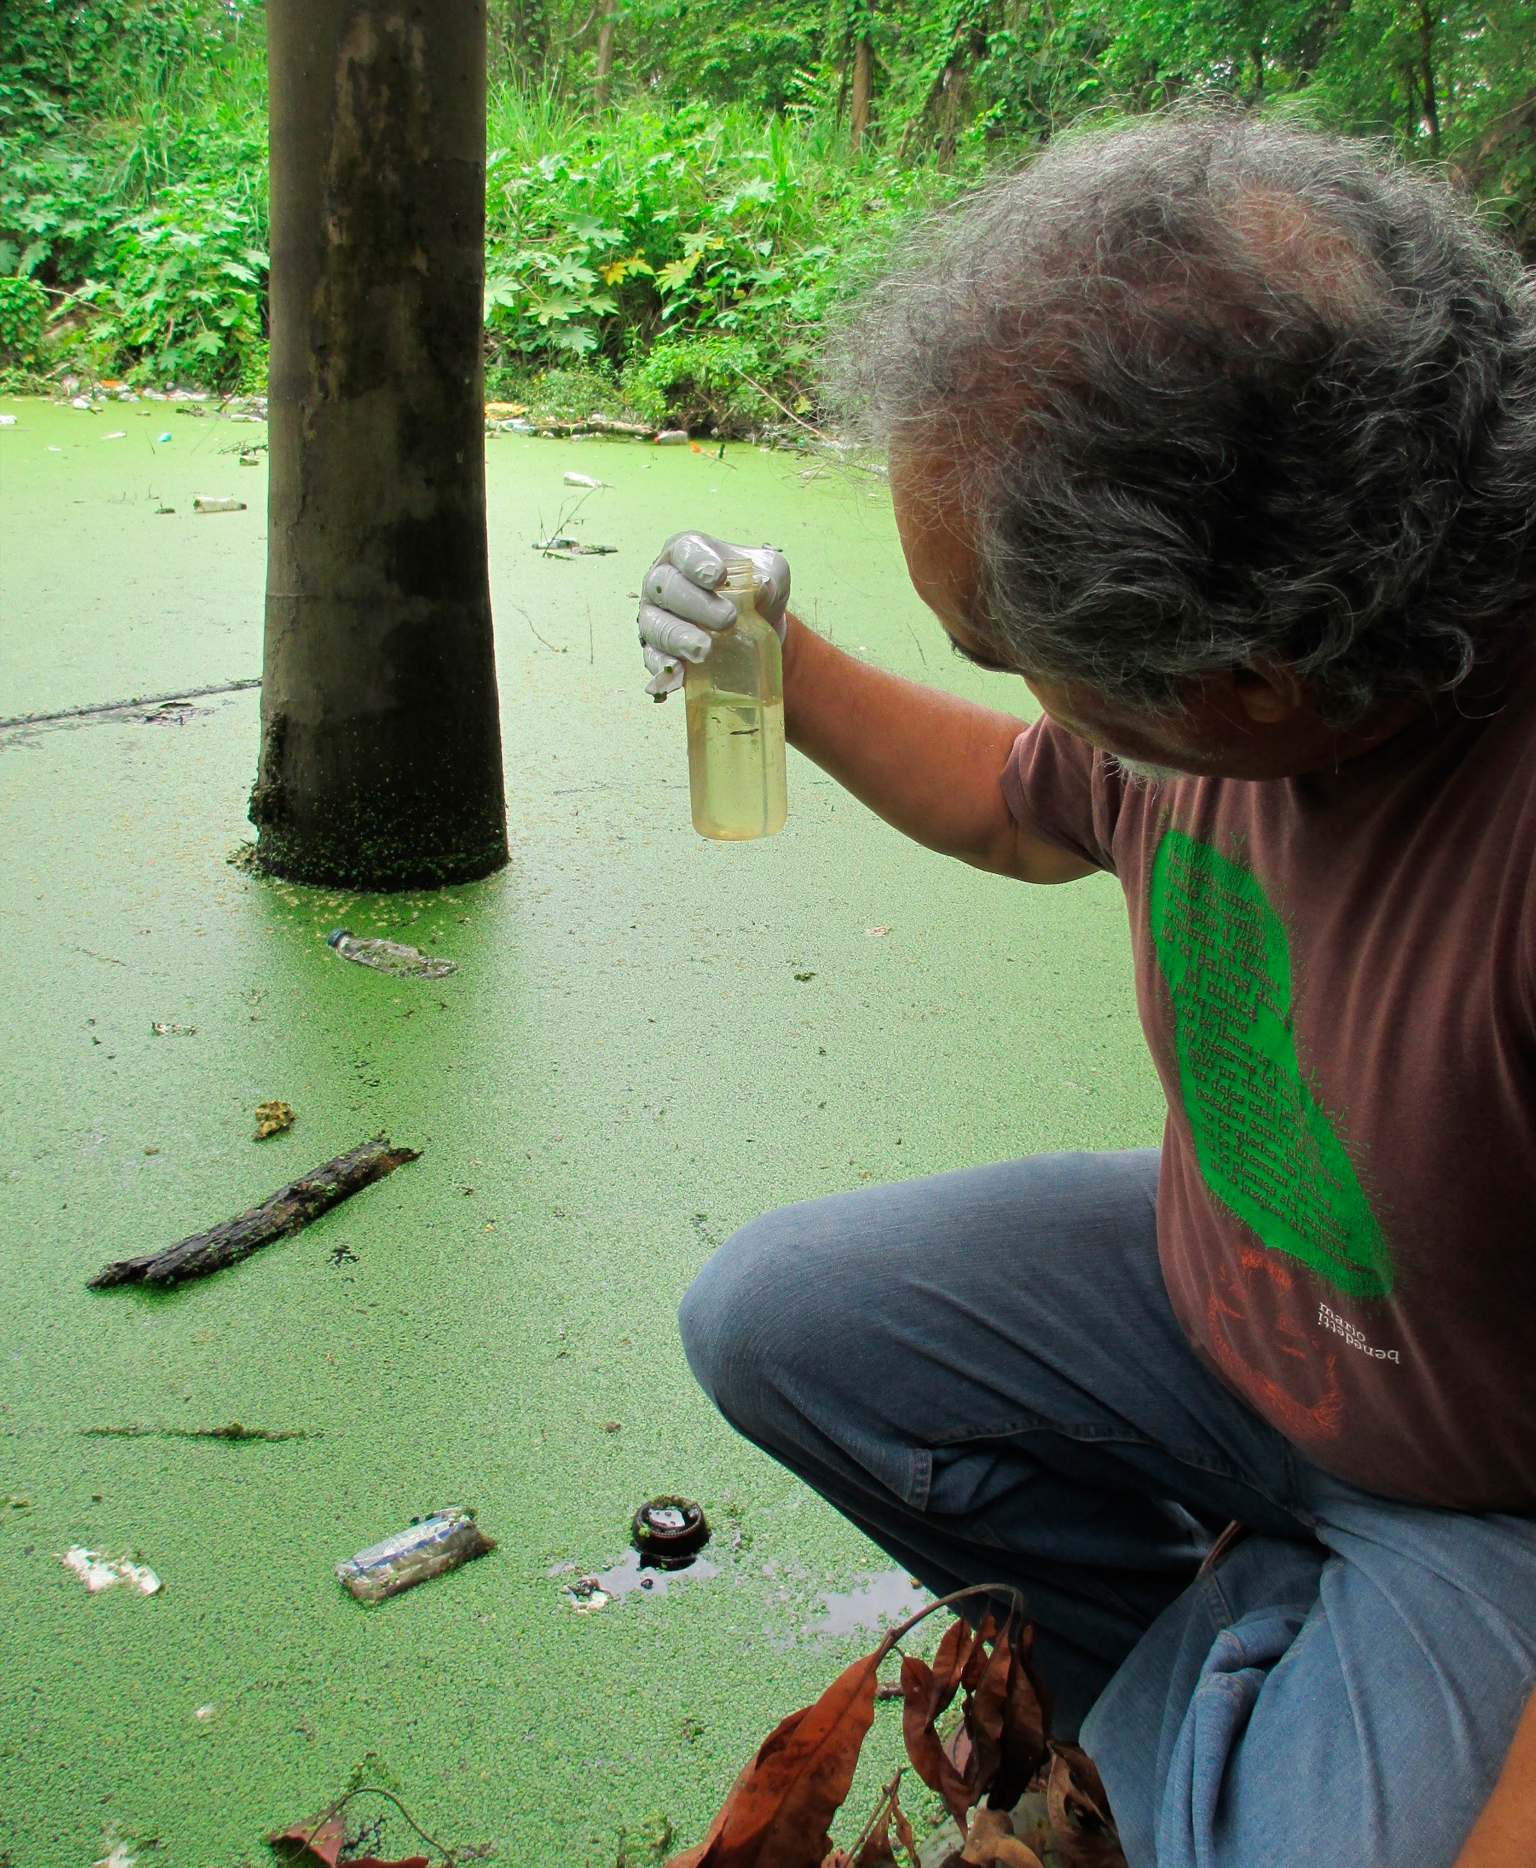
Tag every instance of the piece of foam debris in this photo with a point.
(98, 1572)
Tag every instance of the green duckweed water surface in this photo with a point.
(624, 1067)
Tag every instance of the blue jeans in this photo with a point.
(983, 1372)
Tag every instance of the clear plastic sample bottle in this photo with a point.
(735, 700)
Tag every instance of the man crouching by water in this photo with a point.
(1222, 436)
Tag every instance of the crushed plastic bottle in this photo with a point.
(440, 1542)
(389, 956)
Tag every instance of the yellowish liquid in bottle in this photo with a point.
(735, 703)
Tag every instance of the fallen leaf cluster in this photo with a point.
(779, 1811)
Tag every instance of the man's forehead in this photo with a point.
(937, 534)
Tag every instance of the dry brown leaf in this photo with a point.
(319, 1838)
(924, 1699)
(1082, 1829)
(984, 1717)
(877, 1851)
(995, 1715)
(1026, 1726)
(904, 1833)
(926, 1694)
(992, 1843)
(780, 1808)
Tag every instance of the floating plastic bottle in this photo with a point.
(432, 1545)
(388, 956)
(735, 700)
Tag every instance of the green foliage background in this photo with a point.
(668, 237)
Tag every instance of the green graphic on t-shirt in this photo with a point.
(1266, 1149)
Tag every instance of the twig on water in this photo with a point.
(287, 1211)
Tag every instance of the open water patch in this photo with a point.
(589, 1591)
(872, 1605)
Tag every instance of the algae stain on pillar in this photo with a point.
(381, 742)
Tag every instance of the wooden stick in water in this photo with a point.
(289, 1210)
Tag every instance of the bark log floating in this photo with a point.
(289, 1210)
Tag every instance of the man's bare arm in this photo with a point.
(925, 761)
(1505, 1834)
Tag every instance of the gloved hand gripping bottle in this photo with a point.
(735, 699)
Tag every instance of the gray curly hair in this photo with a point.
(1216, 389)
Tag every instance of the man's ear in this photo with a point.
(1268, 692)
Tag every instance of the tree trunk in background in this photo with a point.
(381, 742)
(951, 85)
(602, 77)
(1427, 18)
(522, 28)
(863, 88)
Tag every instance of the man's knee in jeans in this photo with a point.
(734, 1317)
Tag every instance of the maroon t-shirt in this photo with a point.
(1337, 978)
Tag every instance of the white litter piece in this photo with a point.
(672, 438)
(117, 434)
(117, 1856)
(7, 421)
(877, 933)
(586, 480)
(586, 1596)
(207, 502)
(98, 1572)
(79, 402)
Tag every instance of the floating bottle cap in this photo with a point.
(670, 1530)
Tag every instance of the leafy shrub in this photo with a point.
(713, 239)
(183, 289)
(23, 307)
(133, 181)
(697, 382)
(568, 392)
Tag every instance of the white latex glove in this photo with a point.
(679, 608)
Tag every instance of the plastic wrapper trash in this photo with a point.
(208, 502)
(441, 1542)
